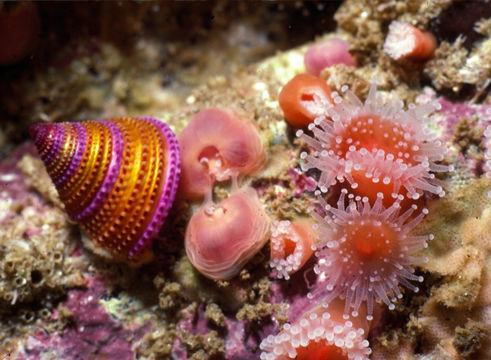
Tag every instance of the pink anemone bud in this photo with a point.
(327, 53)
(291, 246)
(365, 252)
(404, 41)
(321, 333)
(221, 238)
(217, 145)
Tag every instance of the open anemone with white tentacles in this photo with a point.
(365, 252)
(376, 146)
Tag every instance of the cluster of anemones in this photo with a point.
(219, 145)
(375, 161)
(388, 157)
(302, 99)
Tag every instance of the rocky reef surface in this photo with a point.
(60, 301)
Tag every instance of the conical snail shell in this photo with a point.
(117, 178)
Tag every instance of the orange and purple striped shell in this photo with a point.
(117, 178)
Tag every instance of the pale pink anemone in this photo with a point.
(375, 145)
(320, 331)
(365, 252)
(216, 146)
(291, 246)
(221, 238)
(327, 53)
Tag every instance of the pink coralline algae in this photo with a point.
(448, 118)
(93, 334)
(365, 252)
(326, 53)
(376, 147)
(221, 238)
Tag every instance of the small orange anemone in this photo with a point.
(304, 98)
(405, 41)
(217, 145)
(221, 238)
(291, 246)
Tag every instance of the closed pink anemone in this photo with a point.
(217, 145)
(221, 238)
(327, 53)
(291, 246)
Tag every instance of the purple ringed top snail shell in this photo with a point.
(117, 178)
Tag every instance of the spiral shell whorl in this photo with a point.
(117, 178)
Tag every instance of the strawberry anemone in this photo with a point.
(365, 252)
(404, 41)
(291, 246)
(375, 147)
(321, 333)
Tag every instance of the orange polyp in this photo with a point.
(369, 188)
(322, 333)
(371, 240)
(300, 91)
(372, 132)
(291, 246)
(426, 45)
(405, 41)
(320, 351)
